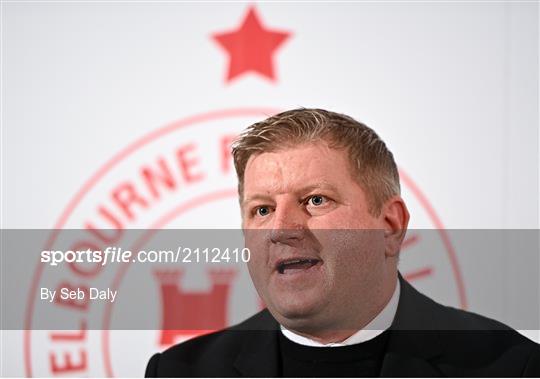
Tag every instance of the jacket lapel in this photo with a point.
(414, 341)
(259, 356)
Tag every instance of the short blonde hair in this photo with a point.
(372, 163)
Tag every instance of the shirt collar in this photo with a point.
(379, 324)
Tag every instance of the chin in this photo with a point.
(295, 311)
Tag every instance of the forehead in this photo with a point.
(291, 169)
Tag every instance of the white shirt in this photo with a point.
(379, 324)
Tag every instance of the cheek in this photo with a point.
(258, 261)
(345, 217)
(353, 254)
(258, 275)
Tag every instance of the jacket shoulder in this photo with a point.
(208, 355)
(469, 344)
(481, 346)
(416, 311)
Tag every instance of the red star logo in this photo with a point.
(251, 47)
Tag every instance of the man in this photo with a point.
(323, 217)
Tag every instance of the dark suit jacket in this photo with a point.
(426, 339)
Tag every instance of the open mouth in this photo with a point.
(297, 264)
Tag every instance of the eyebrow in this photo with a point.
(309, 188)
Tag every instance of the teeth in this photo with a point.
(283, 265)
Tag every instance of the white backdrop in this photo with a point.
(451, 87)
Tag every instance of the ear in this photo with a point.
(395, 217)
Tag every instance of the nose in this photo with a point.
(289, 224)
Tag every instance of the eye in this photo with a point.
(317, 200)
(262, 211)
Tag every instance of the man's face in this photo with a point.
(317, 254)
